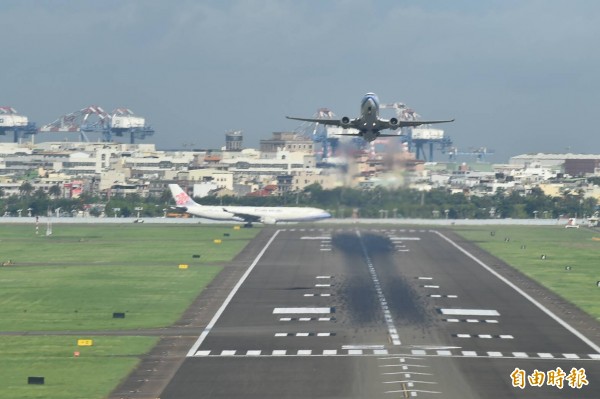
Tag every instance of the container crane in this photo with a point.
(418, 138)
(480, 153)
(11, 121)
(319, 133)
(94, 119)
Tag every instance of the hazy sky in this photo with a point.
(518, 76)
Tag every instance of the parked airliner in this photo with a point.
(247, 214)
(369, 123)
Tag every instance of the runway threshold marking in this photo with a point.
(235, 289)
(544, 309)
(385, 355)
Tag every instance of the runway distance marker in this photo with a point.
(469, 312)
(303, 310)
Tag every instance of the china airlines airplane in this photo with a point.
(369, 123)
(247, 214)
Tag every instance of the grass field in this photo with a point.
(93, 374)
(75, 279)
(522, 247)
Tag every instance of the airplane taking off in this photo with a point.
(369, 123)
(247, 214)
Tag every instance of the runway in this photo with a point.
(355, 312)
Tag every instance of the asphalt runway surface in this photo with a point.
(355, 312)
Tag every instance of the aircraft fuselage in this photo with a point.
(369, 111)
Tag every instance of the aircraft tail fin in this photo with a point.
(182, 200)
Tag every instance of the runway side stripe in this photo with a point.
(525, 295)
(212, 323)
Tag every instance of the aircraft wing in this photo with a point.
(332, 122)
(246, 217)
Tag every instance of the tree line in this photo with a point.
(342, 202)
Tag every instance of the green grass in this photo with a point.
(59, 298)
(93, 374)
(76, 278)
(563, 247)
(131, 244)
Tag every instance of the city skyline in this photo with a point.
(518, 76)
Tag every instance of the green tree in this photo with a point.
(54, 191)
(26, 188)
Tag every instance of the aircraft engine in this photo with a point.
(345, 122)
(268, 220)
(393, 123)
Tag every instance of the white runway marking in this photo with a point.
(366, 351)
(560, 321)
(469, 312)
(315, 237)
(363, 346)
(305, 334)
(425, 278)
(213, 321)
(431, 286)
(303, 310)
(469, 321)
(405, 238)
(387, 315)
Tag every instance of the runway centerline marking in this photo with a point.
(387, 315)
(524, 294)
(235, 289)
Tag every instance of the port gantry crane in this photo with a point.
(120, 122)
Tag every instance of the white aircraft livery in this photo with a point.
(369, 123)
(247, 214)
